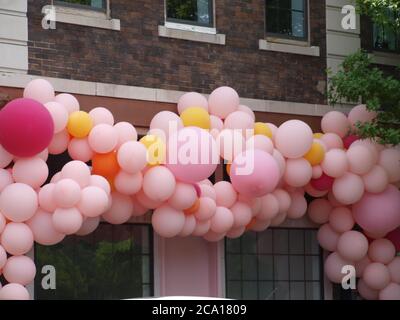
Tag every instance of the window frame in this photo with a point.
(105, 9)
(286, 36)
(181, 22)
(390, 51)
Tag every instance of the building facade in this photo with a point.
(137, 58)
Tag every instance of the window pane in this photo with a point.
(264, 241)
(312, 268)
(265, 267)
(298, 24)
(250, 290)
(296, 267)
(249, 267)
(234, 272)
(281, 267)
(234, 289)
(249, 242)
(195, 11)
(281, 241)
(233, 246)
(311, 242)
(297, 291)
(266, 290)
(298, 5)
(313, 291)
(281, 290)
(100, 4)
(296, 241)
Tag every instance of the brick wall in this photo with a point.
(138, 56)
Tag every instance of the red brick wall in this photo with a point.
(138, 56)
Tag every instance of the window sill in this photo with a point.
(199, 36)
(289, 46)
(85, 17)
(385, 58)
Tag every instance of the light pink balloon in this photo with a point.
(68, 101)
(132, 156)
(352, 245)
(103, 138)
(127, 183)
(226, 194)
(43, 229)
(88, 226)
(202, 227)
(79, 149)
(360, 114)
(206, 210)
(376, 180)
(260, 142)
(390, 292)
(101, 115)
(260, 225)
(192, 99)
(166, 121)
(145, 201)
(45, 196)
(366, 292)
(280, 160)
(332, 141)
(294, 139)
(327, 238)
(3, 257)
(66, 193)
(333, 201)
(235, 232)
(382, 250)
(230, 143)
(359, 159)
(333, 267)
(316, 172)
(19, 269)
(93, 202)
(283, 198)
(5, 179)
(341, 219)
(57, 177)
(159, 183)
(273, 128)
(298, 207)
(223, 101)
(278, 220)
(361, 265)
(222, 220)
(240, 120)
(335, 122)
(59, 143)
(389, 159)
(18, 202)
(298, 172)
(59, 114)
(67, 221)
(121, 209)
(335, 163)
(242, 214)
(247, 110)
(394, 269)
(138, 208)
(319, 211)
(189, 226)
(167, 221)
(269, 207)
(212, 236)
(78, 171)
(183, 197)
(14, 291)
(126, 132)
(5, 157)
(31, 171)
(216, 123)
(101, 182)
(348, 189)
(376, 276)
(17, 238)
(372, 147)
(208, 191)
(40, 90)
(44, 155)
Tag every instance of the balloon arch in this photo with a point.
(353, 182)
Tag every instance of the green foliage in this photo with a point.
(185, 10)
(385, 13)
(358, 80)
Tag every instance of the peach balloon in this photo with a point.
(103, 138)
(126, 132)
(206, 210)
(78, 171)
(283, 198)
(327, 238)
(17, 238)
(79, 149)
(235, 233)
(366, 292)
(273, 129)
(247, 110)
(223, 101)
(240, 120)
(390, 292)
(212, 236)
(31, 171)
(333, 267)
(202, 227)
(298, 172)
(159, 183)
(335, 122)
(341, 219)
(167, 221)
(40, 90)
(319, 211)
(120, 210)
(279, 219)
(360, 159)
(192, 99)
(316, 172)
(372, 147)
(183, 197)
(101, 182)
(69, 102)
(230, 143)
(59, 114)
(3, 223)
(226, 194)
(132, 156)
(394, 269)
(45, 196)
(298, 207)
(138, 208)
(352, 245)
(43, 229)
(260, 225)
(101, 115)
(335, 163)
(14, 291)
(376, 180)
(348, 189)
(216, 123)
(269, 207)
(389, 159)
(88, 226)
(67, 221)
(189, 226)
(242, 214)
(66, 193)
(127, 183)
(332, 141)
(222, 220)
(145, 201)
(166, 121)
(376, 276)
(59, 143)
(361, 265)
(208, 191)
(5, 157)
(19, 269)
(382, 250)
(333, 201)
(360, 114)
(260, 142)
(93, 202)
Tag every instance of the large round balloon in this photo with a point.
(26, 127)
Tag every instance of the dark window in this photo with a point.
(196, 12)
(91, 4)
(286, 18)
(277, 264)
(113, 262)
(385, 38)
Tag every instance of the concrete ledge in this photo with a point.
(385, 58)
(166, 32)
(288, 48)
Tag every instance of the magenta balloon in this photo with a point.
(43, 229)
(14, 291)
(382, 250)
(26, 127)
(379, 213)
(352, 245)
(167, 221)
(19, 269)
(254, 173)
(390, 292)
(393, 236)
(17, 238)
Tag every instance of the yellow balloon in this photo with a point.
(196, 117)
(316, 154)
(156, 149)
(79, 124)
(263, 129)
(318, 135)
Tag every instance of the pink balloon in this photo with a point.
(323, 183)
(78, 171)
(360, 114)
(260, 225)
(216, 123)
(101, 115)
(138, 208)
(167, 221)
(260, 142)
(376, 276)
(230, 143)
(376, 180)
(127, 183)
(70, 103)
(390, 292)
(17, 238)
(59, 114)
(280, 160)
(389, 160)
(352, 245)
(226, 194)
(57, 177)
(126, 132)
(166, 121)
(379, 213)
(202, 227)
(93, 202)
(361, 265)
(273, 128)
(26, 127)
(59, 143)
(332, 141)
(283, 198)
(222, 220)
(18, 202)
(333, 201)
(159, 183)
(192, 154)
(145, 201)
(393, 236)
(278, 220)
(43, 229)
(3, 257)
(316, 172)
(333, 267)
(341, 219)
(382, 250)
(359, 159)
(327, 238)
(269, 207)
(132, 156)
(79, 149)
(335, 122)
(236, 232)
(294, 139)
(394, 269)
(247, 110)
(14, 291)
(40, 90)
(101, 182)
(19, 269)
(121, 209)
(206, 210)
(67, 221)
(298, 172)
(335, 163)
(66, 193)
(212, 236)
(240, 120)
(223, 101)
(103, 138)
(31, 171)
(208, 191)
(348, 189)
(183, 197)
(366, 292)
(192, 99)
(249, 170)
(298, 207)
(189, 226)
(242, 214)
(45, 196)
(88, 226)
(349, 140)
(5, 157)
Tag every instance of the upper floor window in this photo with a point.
(92, 4)
(287, 18)
(385, 38)
(194, 12)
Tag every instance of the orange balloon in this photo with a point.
(105, 165)
(193, 208)
(228, 169)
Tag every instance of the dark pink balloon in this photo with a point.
(394, 236)
(348, 141)
(26, 127)
(323, 183)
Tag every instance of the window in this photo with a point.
(287, 18)
(277, 264)
(385, 38)
(113, 262)
(194, 12)
(92, 4)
